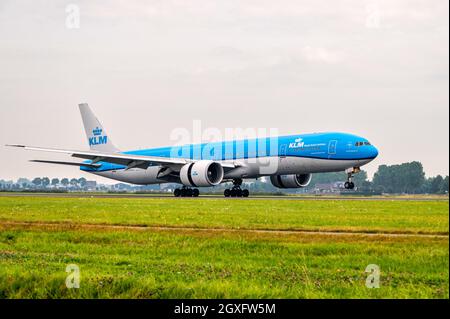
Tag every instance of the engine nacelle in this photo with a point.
(291, 181)
(201, 173)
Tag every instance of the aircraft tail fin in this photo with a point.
(97, 137)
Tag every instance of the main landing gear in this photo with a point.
(186, 192)
(236, 190)
(350, 172)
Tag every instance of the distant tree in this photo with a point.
(82, 182)
(360, 178)
(444, 186)
(426, 186)
(45, 181)
(37, 181)
(436, 184)
(65, 182)
(23, 181)
(415, 176)
(55, 181)
(382, 179)
(403, 178)
(74, 182)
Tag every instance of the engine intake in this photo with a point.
(291, 181)
(201, 173)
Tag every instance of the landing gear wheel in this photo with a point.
(186, 192)
(236, 190)
(349, 183)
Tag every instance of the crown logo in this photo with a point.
(97, 131)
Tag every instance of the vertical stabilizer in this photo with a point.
(97, 137)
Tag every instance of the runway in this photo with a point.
(206, 196)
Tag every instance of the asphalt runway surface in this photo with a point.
(254, 197)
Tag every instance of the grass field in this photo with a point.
(207, 248)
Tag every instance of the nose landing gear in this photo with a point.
(186, 192)
(350, 172)
(349, 185)
(236, 190)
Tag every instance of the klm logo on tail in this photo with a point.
(98, 139)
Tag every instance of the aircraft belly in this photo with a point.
(317, 165)
(135, 175)
(252, 168)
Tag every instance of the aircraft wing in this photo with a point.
(68, 163)
(128, 160)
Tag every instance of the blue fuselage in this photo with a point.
(324, 146)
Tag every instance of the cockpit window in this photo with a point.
(362, 143)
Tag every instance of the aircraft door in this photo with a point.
(332, 147)
(283, 151)
(283, 161)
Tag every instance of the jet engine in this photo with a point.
(201, 173)
(291, 181)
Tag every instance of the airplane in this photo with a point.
(289, 161)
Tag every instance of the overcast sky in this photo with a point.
(374, 68)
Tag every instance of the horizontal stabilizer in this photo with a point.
(68, 163)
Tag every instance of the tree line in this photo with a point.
(45, 182)
(405, 178)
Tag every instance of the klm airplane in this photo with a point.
(289, 161)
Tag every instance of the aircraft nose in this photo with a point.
(374, 152)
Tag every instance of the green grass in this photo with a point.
(373, 216)
(189, 263)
